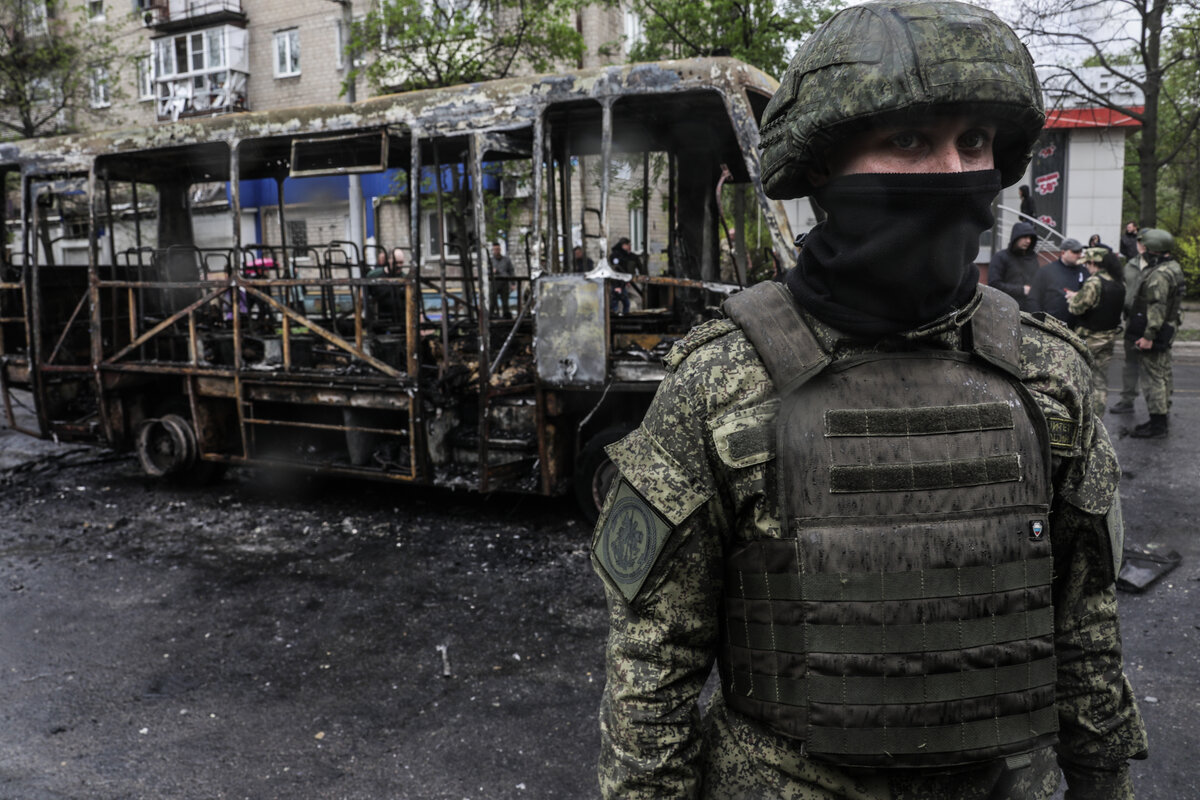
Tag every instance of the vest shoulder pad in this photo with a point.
(1054, 326)
(696, 338)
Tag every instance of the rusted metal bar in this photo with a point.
(475, 157)
(328, 336)
(412, 345)
(322, 426)
(132, 315)
(606, 134)
(67, 328)
(193, 343)
(441, 229)
(166, 323)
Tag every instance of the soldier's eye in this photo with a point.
(906, 140)
(975, 140)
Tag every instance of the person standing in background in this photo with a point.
(1128, 243)
(1096, 308)
(1012, 269)
(1047, 292)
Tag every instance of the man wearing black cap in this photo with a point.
(1064, 274)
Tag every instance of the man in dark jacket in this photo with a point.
(1012, 269)
(1063, 274)
(1129, 240)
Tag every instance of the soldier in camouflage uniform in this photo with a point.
(1157, 316)
(745, 529)
(1096, 308)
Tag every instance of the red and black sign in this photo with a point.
(1049, 171)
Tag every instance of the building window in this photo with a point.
(98, 90)
(95, 9)
(287, 53)
(637, 233)
(297, 234)
(145, 78)
(634, 34)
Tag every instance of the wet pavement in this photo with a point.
(259, 640)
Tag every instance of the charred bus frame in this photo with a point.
(275, 352)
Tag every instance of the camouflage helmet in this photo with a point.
(899, 57)
(1156, 240)
(1094, 254)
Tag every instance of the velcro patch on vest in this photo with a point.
(1063, 431)
(631, 538)
(918, 421)
(925, 475)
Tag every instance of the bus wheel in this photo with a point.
(595, 472)
(167, 448)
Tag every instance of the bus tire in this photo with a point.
(595, 472)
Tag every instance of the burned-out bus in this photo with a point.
(203, 293)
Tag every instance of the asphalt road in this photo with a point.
(259, 641)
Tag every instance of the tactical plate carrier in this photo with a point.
(904, 617)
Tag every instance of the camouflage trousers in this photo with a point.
(1157, 380)
(1100, 344)
(743, 761)
(1130, 372)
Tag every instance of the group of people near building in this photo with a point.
(1091, 291)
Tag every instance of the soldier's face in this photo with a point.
(943, 144)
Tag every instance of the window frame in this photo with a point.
(144, 66)
(290, 37)
(99, 92)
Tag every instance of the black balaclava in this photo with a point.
(896, 250)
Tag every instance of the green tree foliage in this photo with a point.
(1147, 44)
(47, 66)
(761, 33)
(420, 44)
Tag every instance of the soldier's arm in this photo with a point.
(1157, 288)
(1087, 296)
(1099, 724)
(663, 625)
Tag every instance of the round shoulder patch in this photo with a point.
(630, 539)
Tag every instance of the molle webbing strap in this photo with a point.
(769, 317)
(963, 737)
(905, 689)
(951, 634)
(889, 587)
(921, 476)
(918, 421)
(996, 331)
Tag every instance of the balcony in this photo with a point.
(167, 16)
(203, 72)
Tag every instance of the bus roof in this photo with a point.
(506, 103)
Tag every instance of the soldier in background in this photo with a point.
(1096, 309)
(1131, 368)
(1156, 318)
(841, 494)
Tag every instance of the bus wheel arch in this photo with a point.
(595, 472)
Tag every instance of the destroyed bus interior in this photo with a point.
(471, 287)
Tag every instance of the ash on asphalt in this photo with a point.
(256, 641)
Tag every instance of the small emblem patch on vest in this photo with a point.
(1062, 431)
(630, 541)
(1036, 530)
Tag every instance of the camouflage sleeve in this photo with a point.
(1156, 289)
(663, 628)
(1100, 727)
(1087, 296)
